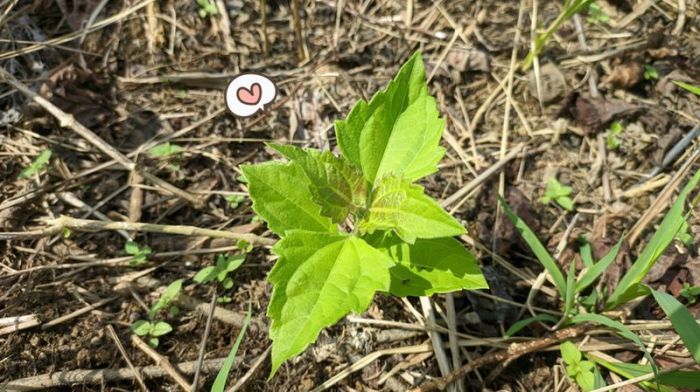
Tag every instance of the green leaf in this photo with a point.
(537, 248)
(153, 342)
(174, 311)
(520, 324)
(235, 200)
(168, 296)
(683, 322)
(318, 279)
(565, 203)
(398, 131)
(337, 186)
(626, 289)
(227, 283)
(141, 327)
(403, 207)
(161, 328)
(679, 379)
(430, 266)
(221, 377)
(693, 89)
(131, 247)
(570, 295)
(621, 329)
(585, 379)
(164, 150)
(281, 196)
(592, 273)
(38, 165)
(570, 353)
(650, 72)
(206, 274)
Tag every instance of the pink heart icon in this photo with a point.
(250, 96)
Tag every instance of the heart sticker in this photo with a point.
(249, 97)
(248, 94)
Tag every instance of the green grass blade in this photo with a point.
(622, 330)
(220, 381)
(537, 248)
(663, 237)
(598, 268)
(587, 254)
(687, 86)
(520, 324)
(570, 289)
(683, 322)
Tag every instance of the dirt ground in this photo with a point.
(139, 73)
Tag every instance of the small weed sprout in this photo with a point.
(559, 194)
(37, 165)
(207, 7)
(650, 72)
(140, 254)
(220, 273)
(612, 141)
(596, 14)
(152, 328)
(235, 200)
(578, 369)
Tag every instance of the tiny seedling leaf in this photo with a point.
(160, 328)
(141, 327)
(168, 296)
(206, 274)
(164, 150)
(570, 353)
(38, 165)
(592, 273)
(131, 248)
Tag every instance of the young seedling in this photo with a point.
(235, 200)
(164, 150)
(206, 7)
(650, 72)
(358, 223)
(152, 329)
(616, 129)
(220, 273)
(596, 14)
(37, 166)
(139, 254)
(691, 293)
(579, 370)
(559, 194)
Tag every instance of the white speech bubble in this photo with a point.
(249, 93)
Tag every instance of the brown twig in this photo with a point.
(112, 334)
(161, 361)
(513, 352)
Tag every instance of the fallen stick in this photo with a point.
(99, 376)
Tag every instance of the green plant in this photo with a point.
(615, 130)
(164, 150)
(354, 224)
(206, 7)
(235, 200)
(220, 272)
(596, 14)
(37, 165)
(139, 254)
(650, 72)
(153, 328)
(690, 292)
(579, 308)
(220, 381)
(687, 86)
(559, 194)
(583, 372)
(570, 8)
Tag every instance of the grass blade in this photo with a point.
(570, 288)
(220, 381)
(683, 322)
(520, 324)
(663, 237)
(598, 268)
(537, 248)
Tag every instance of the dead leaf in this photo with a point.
(625, 75)
(553, 85)
(593, 113)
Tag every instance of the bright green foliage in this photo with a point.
(571, 8)
(690, 292)
(337, 186)
(678, 379)
(355, 224)
(139, 254)
(165, 299)
(683, 322)
(404, 207)
(558, 193)
(520, 324)
(687, 86)
(235, 200)
(151, 329)
(596, 269)
(318, 279)
(221, 377)
(398, 131)
(596, 14)
(672, 223)
(580, 370)
(164, 150)
(38, 165)
(650, 72)
(281, 196)
(615, 130)
(225, 265)
(207, 7)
